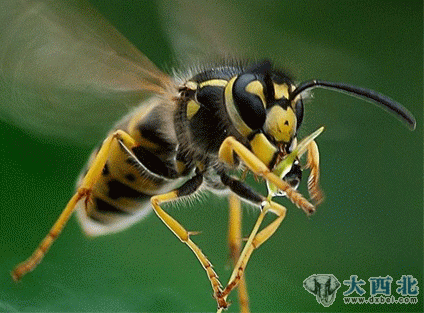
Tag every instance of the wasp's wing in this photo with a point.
(254, 31)
(219, 29)
(65, 71)
(201, 30)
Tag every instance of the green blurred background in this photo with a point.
(371, 223)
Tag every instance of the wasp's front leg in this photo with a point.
(226, 154)
(313, 164)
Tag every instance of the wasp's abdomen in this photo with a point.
(130, 177)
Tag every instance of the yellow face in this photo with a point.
(280, 124)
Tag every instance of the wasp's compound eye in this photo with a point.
(249, 100)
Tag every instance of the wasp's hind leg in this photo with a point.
(83, 192)
(188, 188)
(235, 245)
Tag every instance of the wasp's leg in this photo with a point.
(188, 188)
(234, 242)
(226, 154)
(313, 164)
(255, 238)
(83, 191)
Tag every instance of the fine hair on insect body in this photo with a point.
(202, 132)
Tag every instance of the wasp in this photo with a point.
(196, 131)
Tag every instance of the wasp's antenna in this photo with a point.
(364, 93)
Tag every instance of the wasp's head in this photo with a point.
(266, 108)
(258, 103)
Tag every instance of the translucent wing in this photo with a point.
(202, 30)
(251, 29)
(256, 30)
(65, 71)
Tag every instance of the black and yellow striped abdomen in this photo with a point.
(121, 197)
